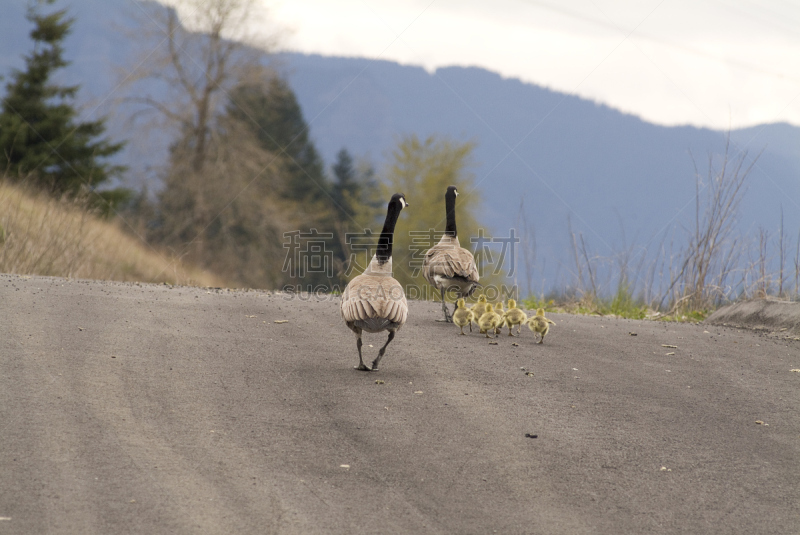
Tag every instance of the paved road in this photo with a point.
(153, 409)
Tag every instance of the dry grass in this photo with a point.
(43, 236)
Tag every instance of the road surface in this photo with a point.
(128, 408)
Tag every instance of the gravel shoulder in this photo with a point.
(128, 408)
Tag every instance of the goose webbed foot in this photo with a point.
(382, 352)
(361, 366)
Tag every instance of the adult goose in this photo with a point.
(448, 266)
(374, 301)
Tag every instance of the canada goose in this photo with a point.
(462, 316)
(489, 320)
(448, 266)
(514, 316)
(374, 301)
(498, 309)
(540, 324)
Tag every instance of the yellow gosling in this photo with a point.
(498, 309)
(478, 308)
(514, 316)
(488, 321)
(462, 316)
(540, 324)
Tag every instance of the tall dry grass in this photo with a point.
(43, 236)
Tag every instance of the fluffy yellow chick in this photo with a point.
(498, 309)
(540, 324)
(488, 321)
(462, 316)
(514, 316)
(478, 308)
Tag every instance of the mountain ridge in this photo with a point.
(576, 164)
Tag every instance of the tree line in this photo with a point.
(243, 181)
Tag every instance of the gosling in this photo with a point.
(540, 324)
(463, 316)
(488, 321)
(478, 308)
(514, 316)
(498, 309)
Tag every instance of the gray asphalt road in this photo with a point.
(152, 409)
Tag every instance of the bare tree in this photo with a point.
(203, 219)
(202, 55)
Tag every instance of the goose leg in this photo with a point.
(447, 316)
(361, 366)
(382, 351)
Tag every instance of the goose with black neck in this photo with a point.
(448, 266)
(375, 301)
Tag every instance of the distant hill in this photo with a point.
(618, 179)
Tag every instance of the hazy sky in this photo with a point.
(702, 62)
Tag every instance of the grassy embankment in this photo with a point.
(43, 236)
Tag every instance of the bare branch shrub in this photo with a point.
(797, 267)
(781, 255)
(712, 251)
(527, 234)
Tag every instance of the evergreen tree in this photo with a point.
(277, 120)
(39, 135)
(345, 188)
(355, 193)
(357, 205)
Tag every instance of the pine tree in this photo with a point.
(39, 136)
(345, 188)
(357, 205)
(277, 120)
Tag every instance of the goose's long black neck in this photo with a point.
(450, 206)
(384, 252)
